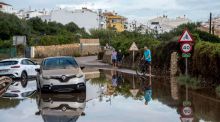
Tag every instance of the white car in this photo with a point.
(61, 74)
(22, 68)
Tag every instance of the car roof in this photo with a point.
(14, 59)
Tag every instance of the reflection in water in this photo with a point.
(4, 84)
(124, 105)
(114, 78)
(186, 111)
(134, 91)
(17, 91)
(61, 107)
(147, 90)
(174, 88)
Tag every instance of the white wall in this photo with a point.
(6, 9)
(32, 14)
(82, 18)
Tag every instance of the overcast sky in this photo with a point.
(142, 10)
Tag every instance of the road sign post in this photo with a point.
(133, 48)
(186, 47)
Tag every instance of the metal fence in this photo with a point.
(8, 53)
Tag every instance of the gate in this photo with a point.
(28, 52)
(8, 53)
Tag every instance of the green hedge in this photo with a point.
(208, 37)
(206, 60)
(54, 40)
(161, 55)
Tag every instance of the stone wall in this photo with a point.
(65, 50)
(173, 64)
(84, 48)
(56, 50)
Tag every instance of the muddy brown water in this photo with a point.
(116, 97)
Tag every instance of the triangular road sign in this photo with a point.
(186, 37)
(134, 92)
(133, 47)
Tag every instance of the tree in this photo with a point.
(72, 27)
(37, 25)
(11, 25)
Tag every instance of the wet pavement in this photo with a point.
(113, 97)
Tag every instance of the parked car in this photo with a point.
(61, 107)
(61, 74)
(17, 91)
(22, 68)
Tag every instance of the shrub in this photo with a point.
(191, 82)
(217, 90)
(206, 60)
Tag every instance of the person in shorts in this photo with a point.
(114, 58)
(147, 58)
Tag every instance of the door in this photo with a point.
(32, 67)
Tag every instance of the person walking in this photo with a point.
(148, 59)
(114, 58)
(119, 58)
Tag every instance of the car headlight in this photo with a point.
(79, 75)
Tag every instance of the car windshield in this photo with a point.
(8, 63)
(59, 63)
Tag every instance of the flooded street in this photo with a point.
(114, 96)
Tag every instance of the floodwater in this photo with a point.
(113, 97)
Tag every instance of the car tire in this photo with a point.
(38, 84)
(24, 79)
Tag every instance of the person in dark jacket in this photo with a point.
(119, 58)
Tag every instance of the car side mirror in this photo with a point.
(38, 113)
(37, 70)
(82, 67)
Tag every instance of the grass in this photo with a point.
(191, 82)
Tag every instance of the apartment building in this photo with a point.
(7, 8)
(164, 24)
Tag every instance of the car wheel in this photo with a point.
(38, 84)
(24, 79)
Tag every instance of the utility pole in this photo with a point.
(213, 28)
(210, 24)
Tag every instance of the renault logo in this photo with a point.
(63, 77)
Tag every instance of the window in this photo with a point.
(24, 62)
(8, 63)
(30, 62)
(59, 63)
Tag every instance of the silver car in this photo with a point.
(60, 74)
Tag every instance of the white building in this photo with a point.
(165, 24)
(136, 26)
(102, 20)
(27, 14)
(4, 7)
(84, 18)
